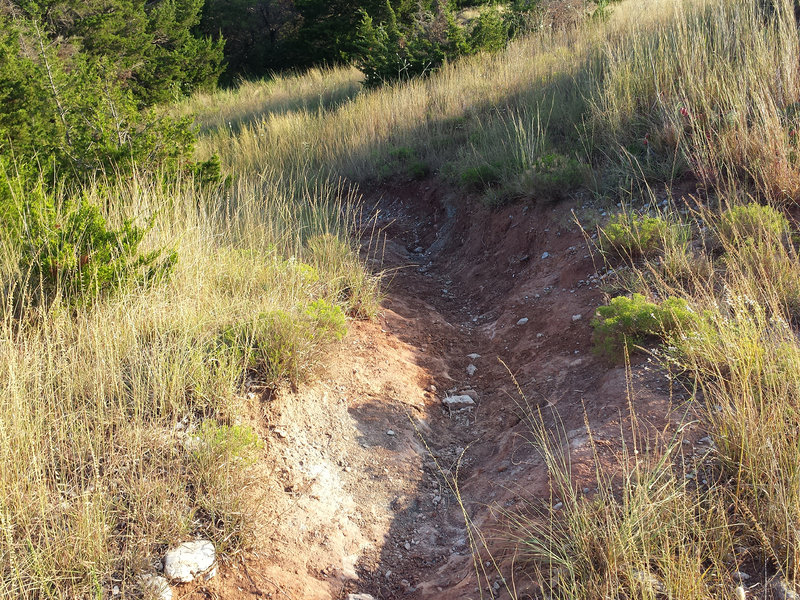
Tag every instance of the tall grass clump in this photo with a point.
(125, 421)
(738, 350)
(643, 530)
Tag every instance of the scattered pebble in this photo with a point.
(740, 576)
(156, 586)
(545, 255)
(577, 317)
(471, 370)
(473, 356)
(390, 432)
(522, 321)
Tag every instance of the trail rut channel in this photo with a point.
(356, 496)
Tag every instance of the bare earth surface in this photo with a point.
(359, 472)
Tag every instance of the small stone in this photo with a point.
(740, 576)
(407, 546)
(459, 401)
(281, 433)
(558, 506)
(473, 356)
(577, 317)
(545, 255)
(522, 321)
(781, 590)
(432, 388)
(190, 560)
(648, 579)
(115, 590)
(156, 586)
(390, 432)
(539, 335)
(419, 250)
(471, 370)
(360, 597)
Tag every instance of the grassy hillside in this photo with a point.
(124, 420)
(658, 94)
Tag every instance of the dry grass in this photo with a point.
(124, 425)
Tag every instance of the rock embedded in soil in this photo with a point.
(460, 401)
(473, 356)
(781, 590)
(190, 560)
(156, 586)
(471, 370)
(522, 321)
(360, 597)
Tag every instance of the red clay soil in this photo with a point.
(359, 470)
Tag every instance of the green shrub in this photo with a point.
(489, 33)
(626, 322)
(755, 221)
(69, 250)
(278, 345)
(481, 177)
(630, 235)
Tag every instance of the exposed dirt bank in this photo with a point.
(359, 465)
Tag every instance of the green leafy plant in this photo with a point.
(481, 176)
(760, 222)
(626, 322)
(631, 235)
(70, 251)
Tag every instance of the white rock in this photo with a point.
(156, 586)
(545, 255)
(522, 321)
(390, 432)
(577, 317)
(189, 560)
(360, 597)
(471, 370)
(473, 356)
(740, 576)
(458, 401)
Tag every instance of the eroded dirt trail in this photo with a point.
(357, 498)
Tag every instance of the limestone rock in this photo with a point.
(190, 560)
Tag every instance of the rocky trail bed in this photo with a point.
(371, 470)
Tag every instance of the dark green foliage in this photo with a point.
(481, 177)
(70, 113)
(489, 33)
(69, 251)
(627, 322)
(149, 45)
